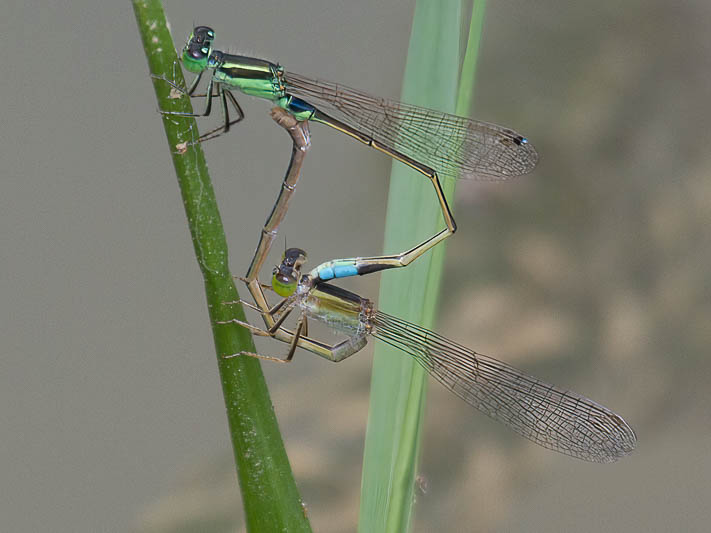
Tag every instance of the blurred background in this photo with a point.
(591, 273)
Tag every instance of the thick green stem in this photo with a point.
(270, 497)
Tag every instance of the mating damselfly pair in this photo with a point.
(430, 142)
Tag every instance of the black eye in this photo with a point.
(203, 32)
(198, 51)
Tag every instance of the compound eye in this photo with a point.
(294, 257)
(202, 34)
(198, 52)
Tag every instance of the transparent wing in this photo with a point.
(553, 418)
(453, 146)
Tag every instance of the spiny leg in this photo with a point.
(264, 286)
(333, 352)
(222, 93)
(264, 333)
(249, 305)
(276, 324)
(225, 95)
(194, 83)
(274, 318)
(182, 90)
(189, 91)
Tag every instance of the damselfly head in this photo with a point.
(202, 35)
(285, 277)
(198, 48)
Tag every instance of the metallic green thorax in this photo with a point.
(252, 76)
(257, 77)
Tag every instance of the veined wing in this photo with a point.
(453, 146)
(553, 418)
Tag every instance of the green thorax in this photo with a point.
(252, 76)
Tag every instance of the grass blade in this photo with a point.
(398, 386)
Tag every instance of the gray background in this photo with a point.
(591, 273)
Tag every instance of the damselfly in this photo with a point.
(551, 417)
(428, 141)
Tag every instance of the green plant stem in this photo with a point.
(270, 497)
